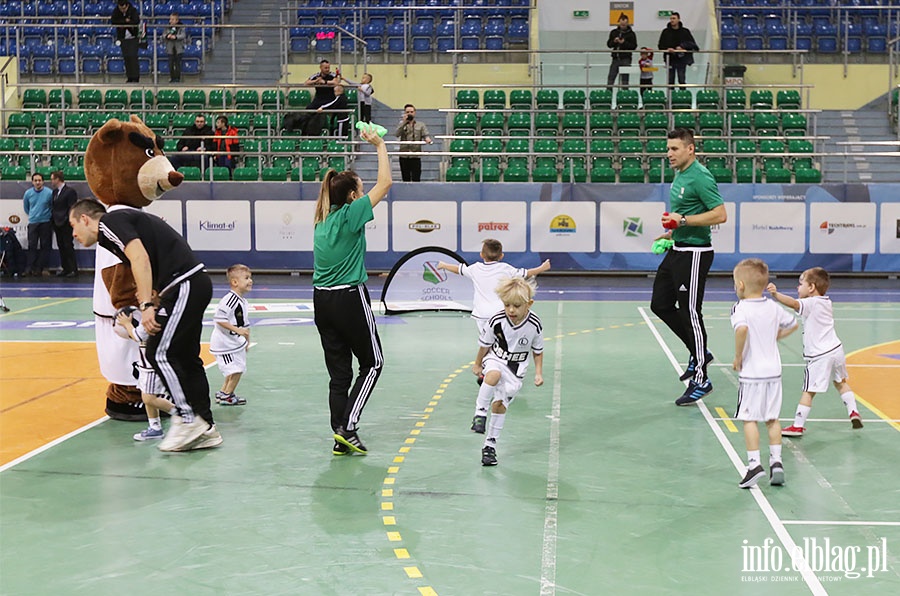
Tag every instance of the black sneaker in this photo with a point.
(694, 393)
(488, 456)
(340, 449)
(752, 477)
(776, 474)
(478, 424)
(350, 439)
(480, 379)
(692, 367)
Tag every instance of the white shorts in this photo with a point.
(232, 363)
(149, 381)
(759, 402)
(509, 384)
(828, 367)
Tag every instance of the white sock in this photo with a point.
(155, 423)
(802, 414)
(849, 400)
(494, 428)
(774, 454)
(752, 459)
(483, 402)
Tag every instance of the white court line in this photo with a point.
(551, 511)
(74, 433)
(807, 522)
(803, 364)
(841, 420)
(790, 546)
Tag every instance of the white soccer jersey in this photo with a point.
(233, 309)
(486, 277)
(512, 344)
(819, 336)
(763, 319)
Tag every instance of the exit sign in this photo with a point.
(664, 14)
(580, 14)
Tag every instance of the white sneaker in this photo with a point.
(210, 438)
(181, 434)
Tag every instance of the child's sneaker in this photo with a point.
(148, 434)
(230, 399)
(350, 439)
(694, 393)
(855, 420)
(478, 424)
(776, 474)
(488, 456)
(792, 431)
(752, 477)
(220, 395)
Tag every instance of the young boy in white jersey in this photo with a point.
(758, 325)
(822, 348)
(485, 276)
(231, 334)
(503, 356)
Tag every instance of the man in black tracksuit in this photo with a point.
(126, 19)
(678, 43)
(163, 265)
(620, 38)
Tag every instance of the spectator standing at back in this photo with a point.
(621, 38)
(365, 93)
(64, 196)
(175, 36)
(194, 139)
(37, 202)
(126, 19)
(311, 123)
(411, 130)
(678, 44)
(225, 141)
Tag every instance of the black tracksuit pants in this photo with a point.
(346, 327)
(174, 352)
(678, 299)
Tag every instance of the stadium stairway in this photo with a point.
(869, 123)
(255, 64)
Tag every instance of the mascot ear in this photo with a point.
(111, 132)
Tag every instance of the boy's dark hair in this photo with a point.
(684, 135)
(224, 119)
(819, 278)
(492, 249)
(90, 207)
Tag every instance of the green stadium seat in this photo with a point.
(492, 123)
(467, 99)
(744, 146)
(658, 174)
(657, 151)
(722, 175)
(246, 174)
(464, 146)
(686, 120)
(336, 161)
(778, 176)
(465, 123)
(574, 124)
(74, 173)
(285, 147)
(309, 174)
(735, 99)
(739, 124)
(274, 174)
(241, 122)
(459, 174)
(220, 99)
(519, 124)
(600, 99)
(793, 124)
(765, 124)
(547, 99)
(272, 99)
(34, 98)
(64, 146)
(654, 99)
(656, 124)
(190, 173)
(298, 98)
(547, 149)
(761, 99)
(515, 174)
(744, 175)
(707, 99)
(158, 122)
(630, 153)
(601, 124)
(97, 118)
(769, 148)
(602, 151)
(631, 174)
(56, 98)
(265, 122)
(193, 100)
(574, 152)
(520, 99)
(682, 99)
(168, 99)
(574, 99)
(89, 99)
(545, 174)
(627, 99)
(573, 173)
(603, 174)
(141, 100)
(115, 99)
(807, 176)
(217, 173)
(799, 146)
(247, 99)
(788, 99)
(712, 124)
(182, 120)
(546, 124)
(170, 146)
(490, 162)
(20, 123)
(490, 173)
(718, 148)
(517, 146)
(14, 173)
(311, 150)
(628, 124)
(494, 99)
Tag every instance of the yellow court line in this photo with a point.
(726, 420)
(865, 402)
(38, 307)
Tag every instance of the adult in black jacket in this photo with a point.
(678, 43)
(194, 138)
(64, 197)
(621, 38)
(126, 20)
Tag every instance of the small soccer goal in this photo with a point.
(416, 284)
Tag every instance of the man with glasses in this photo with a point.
(194, 139)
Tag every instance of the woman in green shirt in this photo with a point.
(343, 310)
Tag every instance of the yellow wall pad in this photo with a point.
(864, 83)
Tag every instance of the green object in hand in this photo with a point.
(371, 127)
(662, 245)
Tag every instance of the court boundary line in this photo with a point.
(813, 522)
(551, 508)
(762, 501)
(53, 443)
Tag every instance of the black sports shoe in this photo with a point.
(340, 449)
(480, 379)
(350, 439)
(694, 393)
(752, 477)
(776, 474)
(488, 456)
(692, 366)
(478, 424)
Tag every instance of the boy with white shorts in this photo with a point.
(502, 357)
(231, 334)
(822, 349)
(758, 325)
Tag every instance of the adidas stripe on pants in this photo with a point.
(346, 327)
(678, 300)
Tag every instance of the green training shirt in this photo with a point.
(339, 245)
(693, 191)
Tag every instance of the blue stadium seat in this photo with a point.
(396, 45)
(444, 44)
(496, 26)
(42, 66)
(421, 45)
(471, 27)
(445, 28)
(373, 45)
(470, 43)
(65, 66)
(395, 29)
(493, 43)
(517, 31)
(423, 27)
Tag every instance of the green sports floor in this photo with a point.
(603, 486)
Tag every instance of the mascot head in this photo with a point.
(124, 164)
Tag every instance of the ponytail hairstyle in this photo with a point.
(335, 192)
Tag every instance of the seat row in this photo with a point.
(103, 8)
(322, 10)
(169, 99)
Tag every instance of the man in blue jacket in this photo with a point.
(37, 202)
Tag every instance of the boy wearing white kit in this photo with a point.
(758, 325)
(231, 334)
(822, 349)
(485, 276)
(502, 356)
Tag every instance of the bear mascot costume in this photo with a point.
(126, 169)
